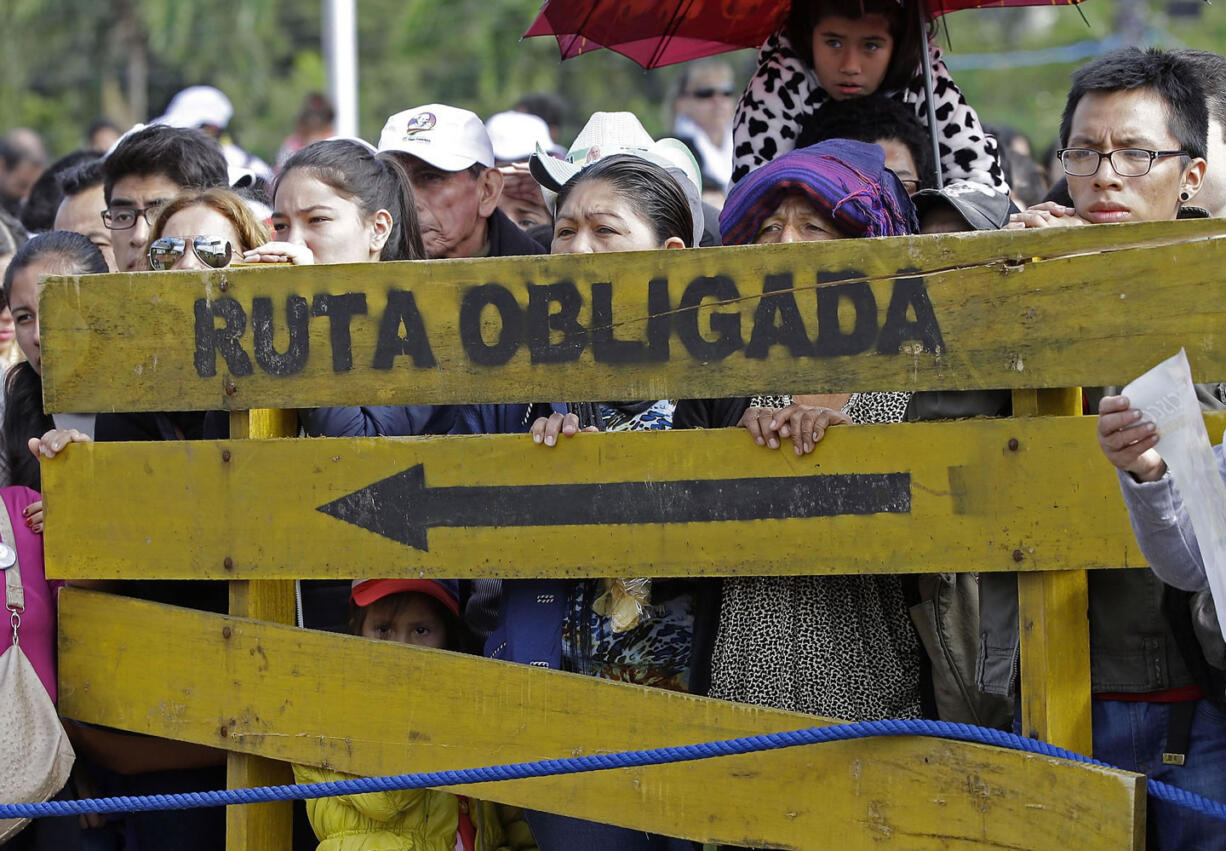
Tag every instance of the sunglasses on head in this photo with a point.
(213, 251)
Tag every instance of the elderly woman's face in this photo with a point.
(796, 220)
(597, 218)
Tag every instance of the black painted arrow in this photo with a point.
(403, 508)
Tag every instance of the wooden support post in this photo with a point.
(1053, 617)
(260, 827)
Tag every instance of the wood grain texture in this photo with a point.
(260, 827)
(372, 707)
(250, 509)
(1085, 306)
(1053, 618)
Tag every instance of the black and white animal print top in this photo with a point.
(838, 646)
(784, 89)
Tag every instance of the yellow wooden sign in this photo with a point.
(371, 707)
(987, 495)
(995, 310)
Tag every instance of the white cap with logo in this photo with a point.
(446, 137)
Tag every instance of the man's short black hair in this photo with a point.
(189, 158)
(1211, 68)
(867, 119)
(550, 108)
(38, 212)
(82, 178)
(1165, 73)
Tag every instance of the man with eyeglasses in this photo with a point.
(1124, 160)
(1134, 138)
(146, 170)
(702, 116)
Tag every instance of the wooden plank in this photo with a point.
(1055, 654)
(1008, 309)
(960, 498)
(382, 708)
(1055, 627)
(261, 827)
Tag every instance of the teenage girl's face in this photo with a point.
(413, 621)
(307, 211)
(597, 218)
(851, 56)
(23, 302)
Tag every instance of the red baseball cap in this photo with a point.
(446, 591)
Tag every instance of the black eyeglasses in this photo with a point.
(125, 217)
(707, 94)
(213, 251)
(1127, 162)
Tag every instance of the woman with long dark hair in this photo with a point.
(53, 253)
(340, 202)
(56, 252)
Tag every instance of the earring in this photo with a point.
(1184, 196)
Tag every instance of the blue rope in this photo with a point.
(595, 762)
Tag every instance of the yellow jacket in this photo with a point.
(407, 820)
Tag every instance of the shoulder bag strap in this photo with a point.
(14, 594)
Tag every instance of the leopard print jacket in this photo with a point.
(784, 89)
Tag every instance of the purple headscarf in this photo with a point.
(846, 180)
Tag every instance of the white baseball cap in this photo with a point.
(197, 106)
(516, 135)
(447, 138)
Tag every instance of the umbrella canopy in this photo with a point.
(662, 32)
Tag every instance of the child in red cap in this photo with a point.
(425, 613)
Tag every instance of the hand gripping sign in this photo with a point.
(1167, 398)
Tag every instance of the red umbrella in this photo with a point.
(662, 32)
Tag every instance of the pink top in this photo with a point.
(38, 623)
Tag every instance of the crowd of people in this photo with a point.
(829, 140)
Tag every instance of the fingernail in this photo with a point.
(536, 438)
(1150, 426)
(774, 444)
(774, 424)
(550, 440)
(758, 441)
(29, 523)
